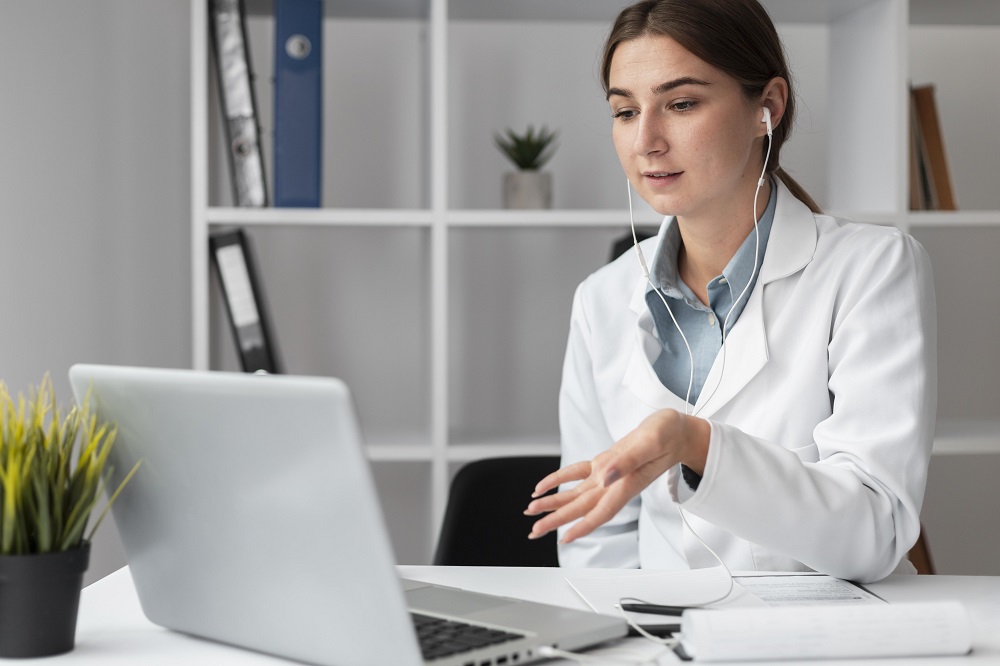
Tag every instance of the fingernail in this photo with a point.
(612, 476)
(534, 536)
(535, 494)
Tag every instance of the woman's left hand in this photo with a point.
(614, 477)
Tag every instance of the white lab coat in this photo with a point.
(822, 423)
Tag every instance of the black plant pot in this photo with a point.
(39, 600)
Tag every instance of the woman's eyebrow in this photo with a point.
(662, 88)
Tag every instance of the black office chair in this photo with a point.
(484, 522)
(624, 243)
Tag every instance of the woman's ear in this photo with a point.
(775, 98)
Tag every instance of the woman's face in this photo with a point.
(683, 130)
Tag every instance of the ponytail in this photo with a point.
(797, 190)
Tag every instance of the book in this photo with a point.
(933, 163)
(920, 190)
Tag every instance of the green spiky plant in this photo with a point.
(52, 472)
(529, 151)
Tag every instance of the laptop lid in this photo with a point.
(254, 521)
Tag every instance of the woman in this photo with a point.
(775, 376)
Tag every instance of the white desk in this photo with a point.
(112, 629)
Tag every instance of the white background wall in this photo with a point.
(94, 203)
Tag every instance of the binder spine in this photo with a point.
(298, 102)
(235, 74)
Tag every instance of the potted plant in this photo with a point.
(528, 187)
(52, 472)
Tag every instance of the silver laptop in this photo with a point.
(253, 520)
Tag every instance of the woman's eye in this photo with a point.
(683, 105)
(624, 114)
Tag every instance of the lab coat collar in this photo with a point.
(790, 248)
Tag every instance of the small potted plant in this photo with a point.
(529, 186)
(52, 472)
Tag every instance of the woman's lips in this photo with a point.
(661, 178)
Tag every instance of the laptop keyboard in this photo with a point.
(441, 638)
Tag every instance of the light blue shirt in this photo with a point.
(702, 325)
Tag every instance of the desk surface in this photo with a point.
(112, 629)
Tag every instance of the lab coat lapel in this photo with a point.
(745, 356)
(789, 249)
(640, 378)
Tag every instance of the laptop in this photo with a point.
(254, 521)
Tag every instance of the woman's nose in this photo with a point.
(650, 136)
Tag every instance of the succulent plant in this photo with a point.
(528, 151)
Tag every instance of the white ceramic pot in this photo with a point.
(527, 189)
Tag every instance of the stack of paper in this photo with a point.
(827, 632)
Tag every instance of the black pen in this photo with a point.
(654, 609)
(658, 630)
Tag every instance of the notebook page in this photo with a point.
(806, 590)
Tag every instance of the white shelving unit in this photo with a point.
(446, 315)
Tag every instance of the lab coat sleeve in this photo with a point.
(585, 434)
(848, 503)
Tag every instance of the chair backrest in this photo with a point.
(624, 243)
(484, 522)
(920, 554)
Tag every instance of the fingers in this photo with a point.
(564, 507)
(591, 508)
(614, 477)
(574, 472)
(612, 501)
(572, 505)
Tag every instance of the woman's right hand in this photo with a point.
(609, 481)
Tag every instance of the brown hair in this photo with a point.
(734, 36)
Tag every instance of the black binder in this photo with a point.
(235, 74)
(237, 273)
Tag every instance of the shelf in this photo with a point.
(448, 315)
(499, 449)
(399, 453)
(422, 218)
(922, 12)
(782, 11)
(967, 436)
(369, 9)
(532, 10)
(821, 11)
(598, 219)
(614, 219)
(968, 12)
(462, 452)
(319, 217)
(954, 219)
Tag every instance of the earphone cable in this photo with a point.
(645, 272)
(725, 324)
(753, 273)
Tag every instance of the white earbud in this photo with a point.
(766, 119)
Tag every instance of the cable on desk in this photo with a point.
(549, 651)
